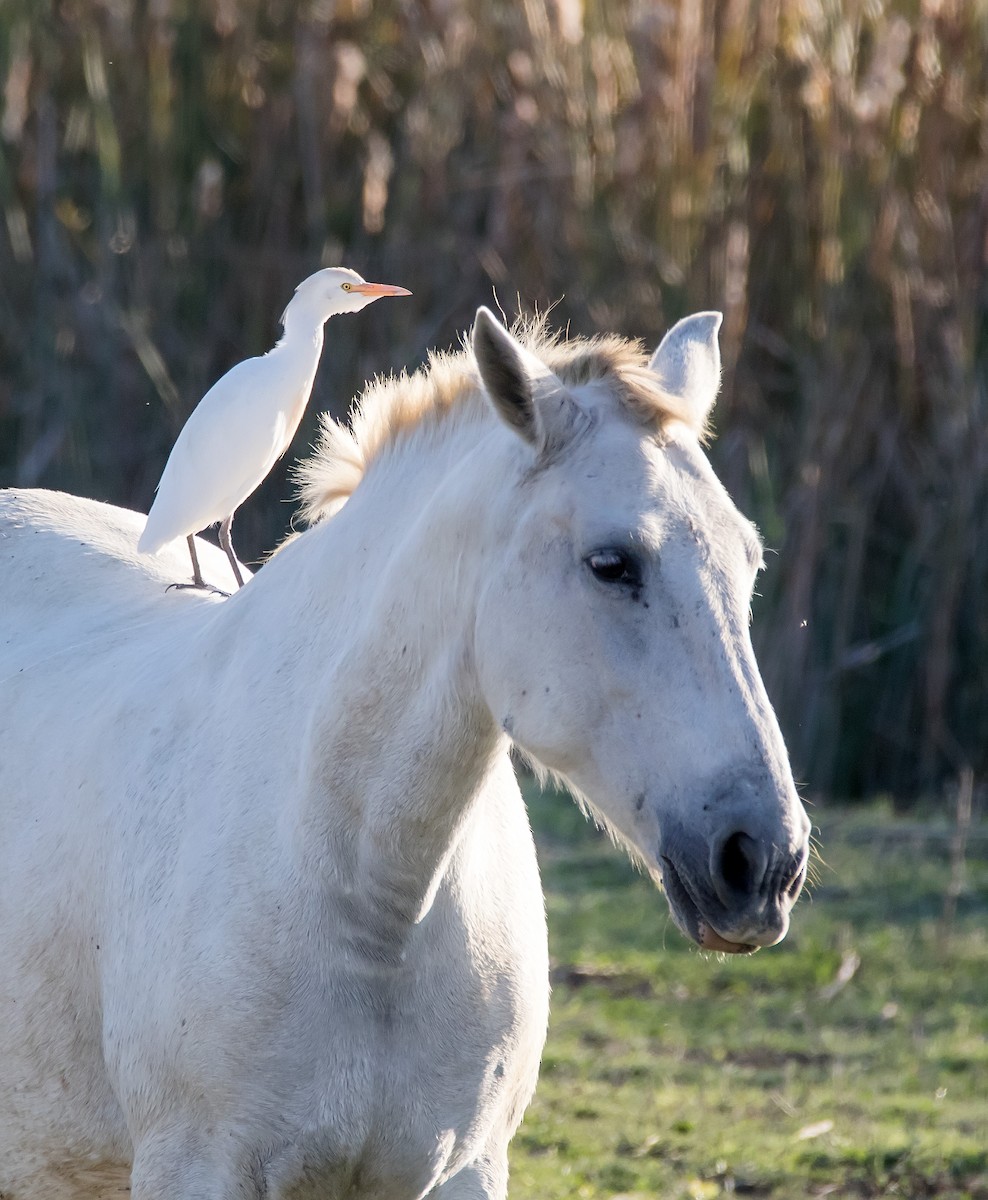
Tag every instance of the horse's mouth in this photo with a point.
(690, 920)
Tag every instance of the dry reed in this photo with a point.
(818, 169)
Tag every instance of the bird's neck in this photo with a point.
(303, 329)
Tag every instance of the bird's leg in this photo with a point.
(227, 543)
(197, 580)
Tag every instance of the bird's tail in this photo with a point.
(151, 540)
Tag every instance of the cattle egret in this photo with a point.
(247, 419)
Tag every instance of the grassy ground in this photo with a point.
(851, 1060)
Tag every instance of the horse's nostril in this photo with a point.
(795, 885)
(737, 863)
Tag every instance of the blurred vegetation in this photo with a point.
(169, 171)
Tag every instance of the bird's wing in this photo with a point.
(224, 450)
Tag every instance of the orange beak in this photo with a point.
(380, 289)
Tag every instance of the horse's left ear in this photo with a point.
(522, 389)
(687, 363)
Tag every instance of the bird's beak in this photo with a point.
(379, 289)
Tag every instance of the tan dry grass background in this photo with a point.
(818, 170)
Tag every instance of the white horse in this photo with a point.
(270, 917)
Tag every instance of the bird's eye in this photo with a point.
(347, 287)
(615, 566)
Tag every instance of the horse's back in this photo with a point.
(70, 565)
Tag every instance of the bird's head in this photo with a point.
(338, 290)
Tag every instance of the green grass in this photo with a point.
(672, 1073)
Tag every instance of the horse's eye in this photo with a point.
(614, 566)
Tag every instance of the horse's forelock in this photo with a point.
(446, 386)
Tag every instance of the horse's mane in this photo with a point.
(447, 386)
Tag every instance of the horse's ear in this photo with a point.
(507, 377)
(523, 391)
(687, 363)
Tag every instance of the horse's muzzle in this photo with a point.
(735, 893)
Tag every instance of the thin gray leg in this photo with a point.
(198, 583)
(197, 580)
(227, 543)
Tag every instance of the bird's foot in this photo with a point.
(201, 586)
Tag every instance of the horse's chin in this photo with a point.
(710, 939)
(689, 918)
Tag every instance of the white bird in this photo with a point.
(247, 419)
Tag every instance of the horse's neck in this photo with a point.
(395, 762)
(398, 740)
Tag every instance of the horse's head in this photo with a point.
(612, 638)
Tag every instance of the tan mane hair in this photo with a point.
(448, 385)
